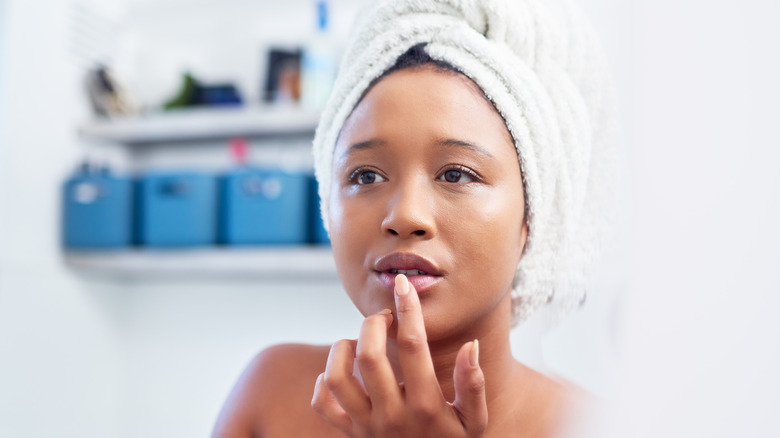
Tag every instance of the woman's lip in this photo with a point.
(406, 261)
(421, 283)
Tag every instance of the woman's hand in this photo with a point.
(383, 407)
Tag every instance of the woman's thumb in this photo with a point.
(470, 390)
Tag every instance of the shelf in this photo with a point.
(309, 262)
(204, 124)
(183, 128)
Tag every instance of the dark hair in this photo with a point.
(415, 57)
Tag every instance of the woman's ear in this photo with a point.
(523, 237)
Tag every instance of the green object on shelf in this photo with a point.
(187, 95)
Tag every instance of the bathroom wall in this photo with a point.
(60, 354)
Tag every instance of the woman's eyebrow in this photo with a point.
(461, 143)
(374, 143)
(363, 145)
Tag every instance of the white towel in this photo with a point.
(538, 62)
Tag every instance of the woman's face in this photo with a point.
(427, 182)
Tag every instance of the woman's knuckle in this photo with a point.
(477, 385)
(333, 380)
(390, 422)
(368, 360)
(410, 343)
(425, 412)
(405, 307)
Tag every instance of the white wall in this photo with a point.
(60, 357)
(160, 42)
(3, 27)
(697, 330)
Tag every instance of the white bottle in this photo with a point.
(319, 63)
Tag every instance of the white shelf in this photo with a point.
(183, 127)
(309, 262)
(204, 124)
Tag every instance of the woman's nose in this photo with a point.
(410, 213)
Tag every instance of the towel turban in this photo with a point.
(538, 63)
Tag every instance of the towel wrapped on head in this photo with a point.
(538, 63)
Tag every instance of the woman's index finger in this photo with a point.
(413, 353)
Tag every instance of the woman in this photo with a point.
(458, 162)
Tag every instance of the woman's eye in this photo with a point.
(456, 176)
(368, 177)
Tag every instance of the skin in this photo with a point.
(425, 166)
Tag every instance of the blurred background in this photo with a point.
(141, 332)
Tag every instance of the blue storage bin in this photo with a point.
(263, 206)
(318, 234)
(177, 209)
(97, 211)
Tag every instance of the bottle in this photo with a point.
(319, 63)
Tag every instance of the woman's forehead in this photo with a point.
(425, 102)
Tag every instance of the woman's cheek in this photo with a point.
(492, 236)
(350, 242)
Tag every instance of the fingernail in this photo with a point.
(385, 312)
(401, 285)
(474, 354)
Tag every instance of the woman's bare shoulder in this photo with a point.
(288, 363)
(275, 386)
(537, 405)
